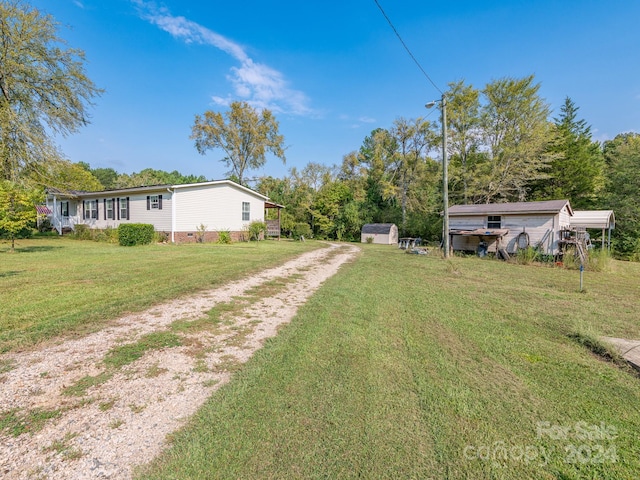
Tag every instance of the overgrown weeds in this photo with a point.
(527, 256)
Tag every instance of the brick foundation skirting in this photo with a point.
(209, 237)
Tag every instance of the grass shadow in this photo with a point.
(37, 248)
(11, 273)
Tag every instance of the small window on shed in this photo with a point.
(494, 221)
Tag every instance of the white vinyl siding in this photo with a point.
(564, 217)
(137, 210)
(219, 207)
(540, 227)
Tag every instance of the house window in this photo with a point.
(64, 209)
(109, 210)
(90, 209)
(124, 208)
(154, 202)
(494, 221)
(246, 211)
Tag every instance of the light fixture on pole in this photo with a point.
(445, 175)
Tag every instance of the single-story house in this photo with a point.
(177, 210)
(382, 233)
(508, 226)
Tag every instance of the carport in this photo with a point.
(600, 219)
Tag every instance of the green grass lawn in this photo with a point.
(406, 366)
(60, 286)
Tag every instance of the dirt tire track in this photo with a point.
(124, 422)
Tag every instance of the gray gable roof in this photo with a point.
(378, 228)
(548, 206)
(150, 188)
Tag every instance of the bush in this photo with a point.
(111, 234)
(45, 225)
(130, 234)
(81, 232)
(224, 237)
(301, 230)
(257, 230)
(161, 237)
(369, 240)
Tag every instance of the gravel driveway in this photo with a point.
(122, 421)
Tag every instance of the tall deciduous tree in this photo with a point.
(414, 138)
(244, 134)
(44, 89)
(65, 176)
(464, 139)
(516, 133)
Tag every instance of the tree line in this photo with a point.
(502, 146)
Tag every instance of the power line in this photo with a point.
(407, 48)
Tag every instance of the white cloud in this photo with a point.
(367, 120)
(258, 84)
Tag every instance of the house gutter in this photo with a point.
(173, 214)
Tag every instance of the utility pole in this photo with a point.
(445, 175)
(445, 180)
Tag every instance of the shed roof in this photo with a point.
(379, 228)
(593, 219)
(547, 206)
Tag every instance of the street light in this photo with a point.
(445, 175)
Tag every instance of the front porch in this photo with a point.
(273, 225)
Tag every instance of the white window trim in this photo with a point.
(91, 210)
(111, 209)
(246, 213)
(123, 208)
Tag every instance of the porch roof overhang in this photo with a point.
(481, 232)
(43, 210)
(269, 204)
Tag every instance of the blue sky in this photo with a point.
(330, 70)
